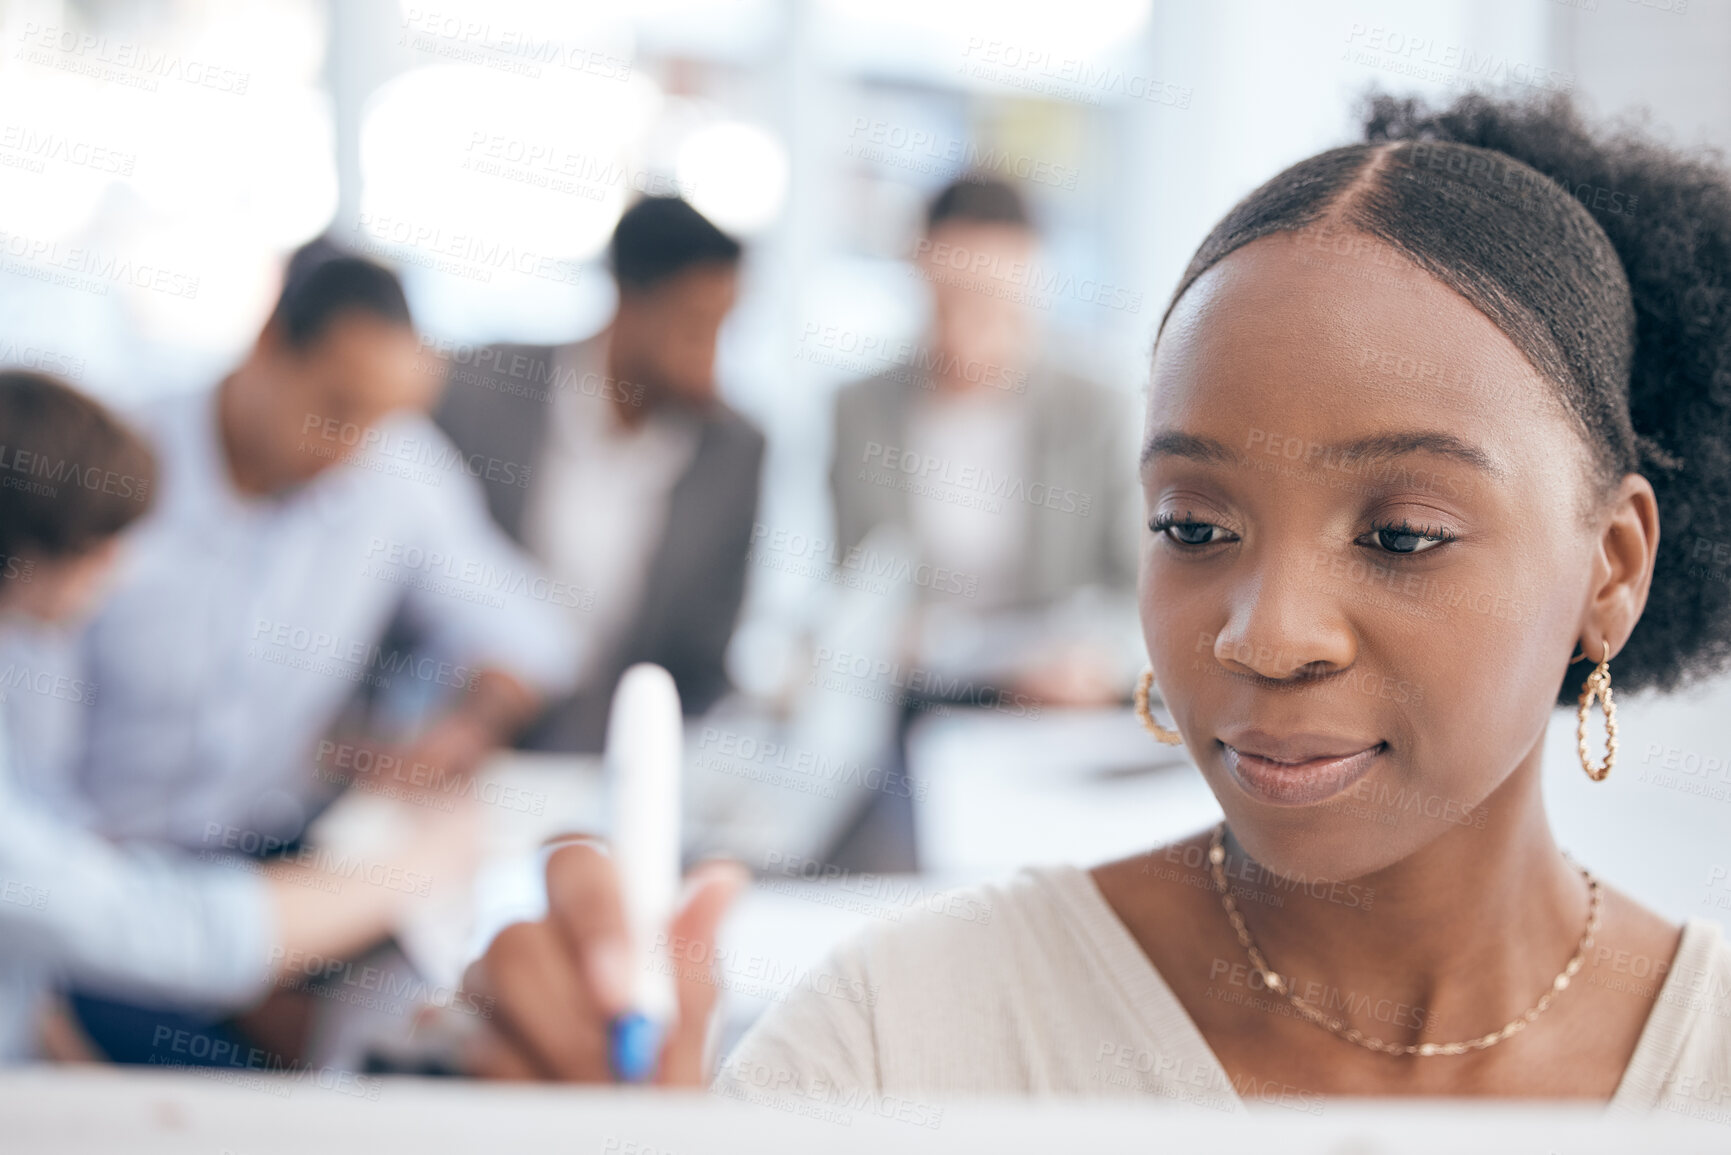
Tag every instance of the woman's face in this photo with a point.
(1368, 566)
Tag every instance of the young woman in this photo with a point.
(1418, 410)
(75, 908)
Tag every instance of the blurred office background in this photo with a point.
(160, 158)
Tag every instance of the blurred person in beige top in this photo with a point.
(1416, 418)
(1006, 470)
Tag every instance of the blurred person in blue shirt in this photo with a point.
(305, 503)
(131, 921)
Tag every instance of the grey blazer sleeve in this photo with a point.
(718, 512)
(868, 415)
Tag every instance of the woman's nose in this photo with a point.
(1282, 623)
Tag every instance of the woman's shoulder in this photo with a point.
(1683, 1061)
(1697, 992)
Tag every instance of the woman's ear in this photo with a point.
(1622, 567)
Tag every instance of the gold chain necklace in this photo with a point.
(1276, 983)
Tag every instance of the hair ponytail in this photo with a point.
(1667, 215)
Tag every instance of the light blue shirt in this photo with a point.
(130, 923)
(240, 626)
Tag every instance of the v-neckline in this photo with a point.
(1163, 1016)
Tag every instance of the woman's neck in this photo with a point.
(1475, 924)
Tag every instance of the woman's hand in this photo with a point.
(555, 985)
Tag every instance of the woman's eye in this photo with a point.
(1405, 539)
(1191, 532)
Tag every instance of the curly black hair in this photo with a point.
(1606, 259)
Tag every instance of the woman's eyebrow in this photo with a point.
(1172, 443)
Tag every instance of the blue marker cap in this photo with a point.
(633, 1044)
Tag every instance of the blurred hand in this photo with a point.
(428, 851)
(444, 844)
(555, 985)
(450, 747)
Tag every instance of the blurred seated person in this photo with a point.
(304, 501)
(131, 921)
(644, 483)
(1004, 468)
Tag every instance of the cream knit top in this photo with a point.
(1034, 987)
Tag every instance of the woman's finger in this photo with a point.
(711, 889)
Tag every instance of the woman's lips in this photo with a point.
(1298, 783)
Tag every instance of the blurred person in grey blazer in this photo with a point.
(643, 484)
(1007, 470)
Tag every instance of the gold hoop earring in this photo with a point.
(1143, 685)
(1598, 686)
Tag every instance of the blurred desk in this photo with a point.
(773, 943)
(78, 1110)
(524, 799)
(997, 792)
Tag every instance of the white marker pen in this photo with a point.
(645, 738)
